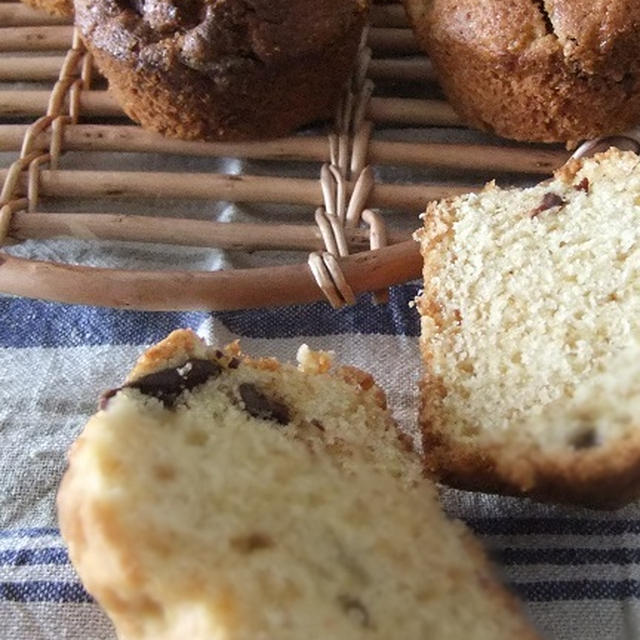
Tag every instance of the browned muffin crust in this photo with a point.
(229, 69)
(54, 7)
(586, 470)
(538, 70)
(605, 477)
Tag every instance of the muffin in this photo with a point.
(224, 70)
(538, 71)
(218, 496)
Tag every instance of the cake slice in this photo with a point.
(531, 335)
(218, 496)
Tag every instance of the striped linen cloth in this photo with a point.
(577, 570)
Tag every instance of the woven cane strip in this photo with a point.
(56, 140)
(378, 238)
(12, 179)
(33, 154)
(5, 220)
(348, 149)
(629, 140)
(361, 191)
(32, 134)
(330, 279)
(87, 67)
(340, 191)
(361, 147)
(19, 15)
(33, 183)
(323, 278)
(328, 186)
(6, 215)
(338, 278)
(326, 232)
(75, 74)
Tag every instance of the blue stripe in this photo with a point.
(578, 590)
(481, 526)
(508, 556)
(566, 556)
(22, 557)
(319, 319)
(552, 526)
(546, 591)
(43, 591)
(34, 532)
(33, 323)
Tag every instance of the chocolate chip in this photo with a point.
(355, 609)
(252, 542)
(583, 185)
(137, 6)
(106, 396)
(234, 363)
(168, 384)
(585, 439)
(259, 405)
(549, 201)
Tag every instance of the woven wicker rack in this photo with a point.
(52, 102)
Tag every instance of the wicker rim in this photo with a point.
(217, 291)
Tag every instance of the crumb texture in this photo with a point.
(271, 502)
(530, 330)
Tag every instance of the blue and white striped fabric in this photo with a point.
(577, 570)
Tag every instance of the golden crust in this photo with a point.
(183, 344)
(603, 476)
(509, 68)
(178, 346)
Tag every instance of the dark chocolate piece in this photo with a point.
(353, 607)
(253, 542)
(166, 385)
(106, 396)
(585, 439)
(583, 185)
(259, 405)
(549, 201)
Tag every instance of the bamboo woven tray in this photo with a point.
(392, 122)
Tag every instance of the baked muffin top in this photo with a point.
(215, 36)
(593, 36)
